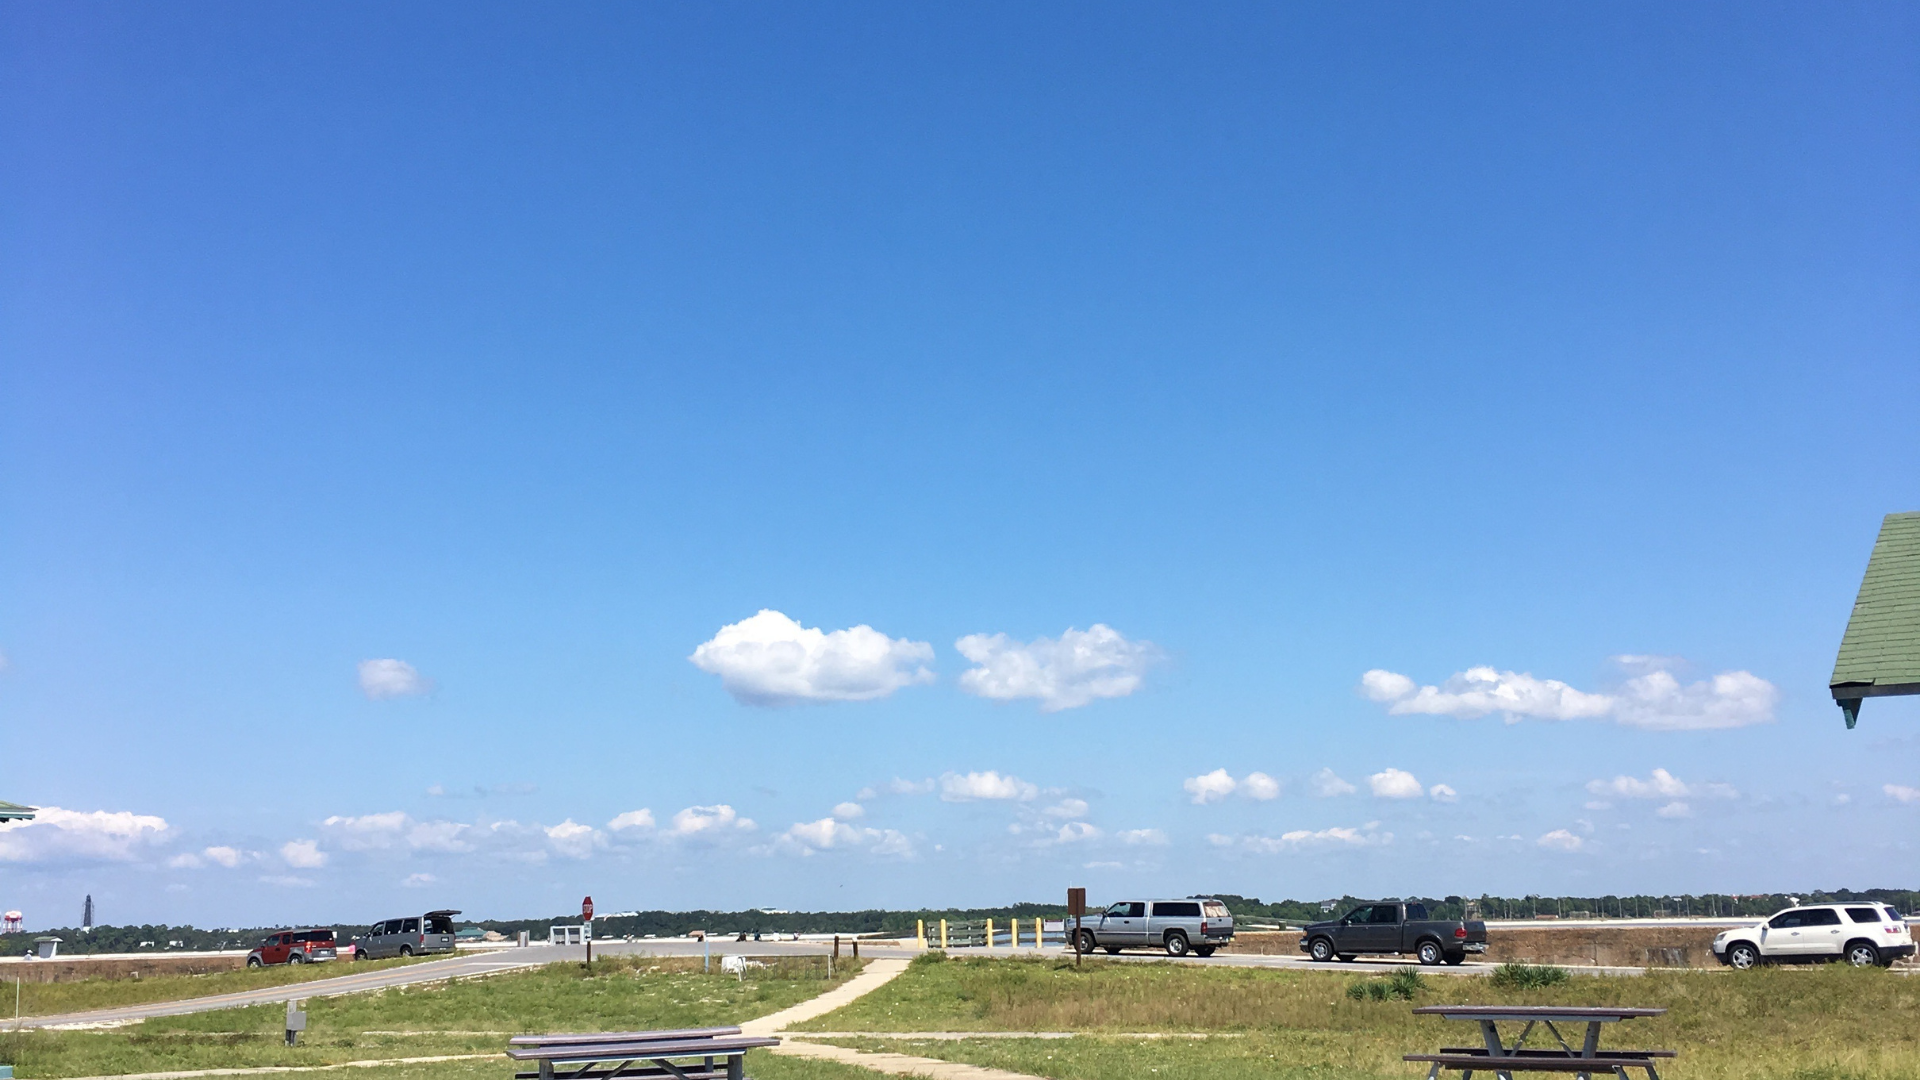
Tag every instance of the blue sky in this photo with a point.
(394, 398)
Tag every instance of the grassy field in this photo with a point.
(49, 999)
(1825, 1023)
(463, 1017)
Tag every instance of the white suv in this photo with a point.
(1865, 934)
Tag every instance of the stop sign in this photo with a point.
(586, 909)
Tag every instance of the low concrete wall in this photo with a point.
(1567, 946)
(78, 968)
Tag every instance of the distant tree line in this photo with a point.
(875, 922)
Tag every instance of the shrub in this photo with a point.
(1528, 976)
(1402, 984)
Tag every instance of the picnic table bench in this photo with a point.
(1503, 1060)
(609, 1055)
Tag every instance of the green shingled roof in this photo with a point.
(14, 811)
(1881, 648)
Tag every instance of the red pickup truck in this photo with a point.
(294, 947)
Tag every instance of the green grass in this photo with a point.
(1824, 1023)
(448, 1017)
(81, 995)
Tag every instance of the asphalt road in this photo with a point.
(468, 964)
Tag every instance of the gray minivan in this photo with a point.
(411, 936)
(1196, 924)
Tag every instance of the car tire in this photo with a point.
(1087, 942)
(1863, 954)
(406, 950)
(1203, 950)
(1177, 944)
(297, 958)
(254, 962)
(1742, 956)
(1321, 949)
(1429, 953)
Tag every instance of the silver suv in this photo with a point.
(1196, 924)
(411, 936)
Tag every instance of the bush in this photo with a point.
(1403, 985)
(1528, 976)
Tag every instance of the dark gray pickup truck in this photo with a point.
(1394, 928)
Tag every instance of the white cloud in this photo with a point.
(1079, 668)
(381, 679)
(708, 821)
(288, 881)
(220, 856)
(1561, 840)
(955, 787)
(1066, 808)
(1675, 809)
(418, 881)
(1142, 837)
(1395, 784)
(1074, 832)
(633, 819)
(896, 786)
(397, 829)
(1210, 787)
(1303, 839)
(1260, 787)
(57, 835)
(1596, 804)
(1661, 784)
(572, 839)
(811, 837)
(1443, 793)
(1654, 700)
(1325, 785)
(303, 854)
(848, 811)
(770, 659)
(1901, 793)
(1219, 839)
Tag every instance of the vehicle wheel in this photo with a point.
(1742, 955)
(406, 950)
(1203, 950)
(254, 961)
(1176, 944)
(1320, 949)
(1429, 953)
(1863, 954)
(1087, 943)
(1113, 950)
(297, 958)
(362, 954)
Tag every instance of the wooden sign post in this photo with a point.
(1076, 907)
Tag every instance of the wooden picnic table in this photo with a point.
(651, 1055)
(1503, 1060)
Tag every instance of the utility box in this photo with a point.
(569, 935)
(525, 937)
(46, 948)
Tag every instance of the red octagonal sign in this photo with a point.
(586, 909)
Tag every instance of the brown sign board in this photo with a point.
(1076, 902)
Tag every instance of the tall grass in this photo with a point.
(1517, 976)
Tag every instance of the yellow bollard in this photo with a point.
(989, 933)
(1013, 933)
(920, 932)
(943, 933)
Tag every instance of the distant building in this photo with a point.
(86, 915)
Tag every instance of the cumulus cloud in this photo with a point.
(228, 857)
(397, 829)
(641, 819)
(57, 835)
(1142, 837)
(1066, 808)
(1074, 832)
(1210, 787)
(1561, 840)
(1654, 699)
(1367, 835)
(709, 821)
(1675, 809)
(895, 786)
(1395, 784)
(1325, 784)
(1661, 784)
(1260, 787)
(1443, 793)
(303, 854)
(1079, 668)
(418, 881)
(572, 839)
(770, 659)
(1901, 793)
(389, 678)
(969, 787)
(848, 811)
(828, 833)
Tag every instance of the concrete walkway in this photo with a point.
(877, 974)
